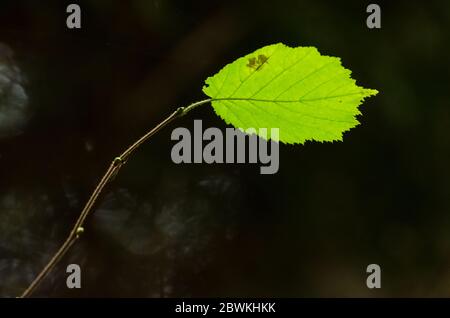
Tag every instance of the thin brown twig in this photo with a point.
(112, 170)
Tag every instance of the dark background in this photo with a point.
(381, 196)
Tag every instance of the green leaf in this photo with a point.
(307, 96)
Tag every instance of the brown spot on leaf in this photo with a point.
(257, 63)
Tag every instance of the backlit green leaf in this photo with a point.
(306, 95)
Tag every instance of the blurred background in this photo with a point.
(71, 100)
